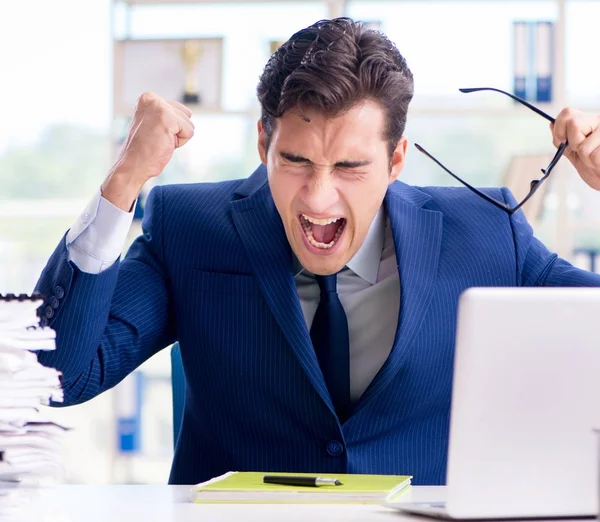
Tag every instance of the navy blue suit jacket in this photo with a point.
(213, 270)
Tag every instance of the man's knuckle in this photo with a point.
(147, 98)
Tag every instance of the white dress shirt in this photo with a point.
(369, 285)
(97, 238)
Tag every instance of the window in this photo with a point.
(54, 137)
(582, 77)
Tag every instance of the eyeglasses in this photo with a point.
(534, 185)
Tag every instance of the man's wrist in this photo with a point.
(121, 189)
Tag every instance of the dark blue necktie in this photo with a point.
(329, 334)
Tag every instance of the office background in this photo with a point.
(69, 69)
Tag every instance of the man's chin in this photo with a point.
(321, 265)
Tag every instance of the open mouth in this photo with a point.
(322, 233)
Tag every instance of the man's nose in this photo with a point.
(321, 194)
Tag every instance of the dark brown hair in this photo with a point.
(330, 66)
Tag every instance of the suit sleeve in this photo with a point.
(536, 265)
(108, 324)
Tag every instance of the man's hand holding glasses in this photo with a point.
(582, 131)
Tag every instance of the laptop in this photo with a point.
(525, 402)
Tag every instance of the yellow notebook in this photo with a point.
(248, 487)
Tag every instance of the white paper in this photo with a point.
(30, 443)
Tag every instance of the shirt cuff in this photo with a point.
(97, 238)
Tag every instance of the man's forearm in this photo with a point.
(122, 189)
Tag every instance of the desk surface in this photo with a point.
(171, 504)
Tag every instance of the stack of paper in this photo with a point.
(29, 442)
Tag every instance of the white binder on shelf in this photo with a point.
(521, 51)
(533, 60)
(544, 60)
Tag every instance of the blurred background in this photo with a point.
(71, 71)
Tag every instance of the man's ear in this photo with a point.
(398, 159)
(262, 142)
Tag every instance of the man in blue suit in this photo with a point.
(315, 301)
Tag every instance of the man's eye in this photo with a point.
(299, 167)
(351, 171)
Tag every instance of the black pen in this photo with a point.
(300, 481)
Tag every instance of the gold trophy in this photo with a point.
(190, 56)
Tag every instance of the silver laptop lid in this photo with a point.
(526, 398)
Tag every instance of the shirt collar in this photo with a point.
(365, 263)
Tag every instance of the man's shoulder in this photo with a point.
(462, 208)
(185, 201)
(461, 202)
(199, 193)
(188, 207)
(448, 195)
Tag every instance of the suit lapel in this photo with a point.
(261, 231)
(417, 234)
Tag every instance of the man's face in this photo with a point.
(328, 178)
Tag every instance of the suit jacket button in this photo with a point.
(54, 302)
(49, 312)
(43, 321)
(59, 291)
(335, 448)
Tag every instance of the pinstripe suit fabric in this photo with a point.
(213, 270)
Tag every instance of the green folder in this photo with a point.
(248, 487)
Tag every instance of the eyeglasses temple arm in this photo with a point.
(470, 187)
(546, 172)
(516, 98)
